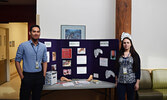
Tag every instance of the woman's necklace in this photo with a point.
(126, 55)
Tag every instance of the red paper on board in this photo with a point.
(66, 53)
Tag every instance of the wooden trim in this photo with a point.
(37, 19)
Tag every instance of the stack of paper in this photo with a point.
(51, 77)
(68, 84)
(82, 82)
(96, 81)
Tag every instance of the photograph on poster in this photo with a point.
(53, 67)
(104, 43)
(81, 59)
(66, 63)
(66, 71)
(109, 73)
(82, 70)
(97, 52)
(48, 44)
(74, 44)
(81, 50)
(113, 55)
(53, 56)
(48, 56)
(66, 53)
(104, 62)
(95, 75)
(73, 31)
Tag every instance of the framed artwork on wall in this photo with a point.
(73, 32)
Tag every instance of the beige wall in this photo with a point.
(97, 15)
(149, 24)
(18, 32)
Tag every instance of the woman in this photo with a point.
(127, 69)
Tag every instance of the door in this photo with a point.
(3, 56)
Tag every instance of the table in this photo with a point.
(91, 85)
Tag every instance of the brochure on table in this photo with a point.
(77, 59)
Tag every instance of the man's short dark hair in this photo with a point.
(34, 26)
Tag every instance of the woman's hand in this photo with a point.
(137, 85)
(116, 81)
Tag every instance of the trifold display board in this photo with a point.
(78, 59)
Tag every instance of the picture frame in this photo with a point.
(73, 32)
(113, 55)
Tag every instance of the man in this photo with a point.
(33, 53)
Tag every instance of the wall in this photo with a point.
(18, 13)
(97, 15)
(149, 24)
(18, 33)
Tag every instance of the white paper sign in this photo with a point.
(104, 62)
(81, 70)
(74, 44)
(48, 44)
(81, 59)
(104, 43)
(48, 57)
(95, 75)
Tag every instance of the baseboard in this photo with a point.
(9, 99)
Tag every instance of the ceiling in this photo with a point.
(17, 2)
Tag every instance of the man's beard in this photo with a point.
(34, 39)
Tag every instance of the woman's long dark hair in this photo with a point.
(133, 52)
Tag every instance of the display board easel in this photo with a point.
(98, 58)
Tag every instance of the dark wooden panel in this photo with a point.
(3, 71)
(84, 94)
(123, 17)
